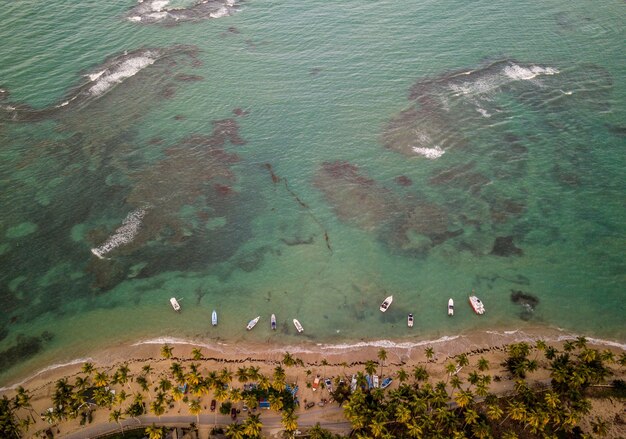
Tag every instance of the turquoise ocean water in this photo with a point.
(307, 159)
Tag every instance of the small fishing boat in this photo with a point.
(175, 304)
(273, 322)
(298, 326)
(385, 305)
(409, 321)
(450, 307)
(375, 381)
(386, 383)
(476, 305)
(252, 323)
(214, 318)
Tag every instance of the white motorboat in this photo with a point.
(298, 326)
(385, 305)
(375, 381)
(476, 305)
(175, 304)
(214, 318)
(252, 323)
(450, 307)
(409, 321)
(273, 322)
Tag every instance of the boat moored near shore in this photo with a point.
(214, 318)
(298, 326)
(273, 322)
(175, 304)
(450, 307)
(252, 323)
(409, 321)
(385, 305)
(477, 305)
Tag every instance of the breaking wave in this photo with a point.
(123, 235)
(429, 153)
(106, 79)
(161, 12)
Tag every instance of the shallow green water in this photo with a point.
(333, 97)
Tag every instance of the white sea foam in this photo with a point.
(221, 12)
(159, 5)
(44, 370)
(388, 344)
(134, 18)
(484, 112)
(429, 153)
(126, 69)
(123, 235)
(517, 72)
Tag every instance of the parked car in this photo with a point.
(233, 413)
(213, 404)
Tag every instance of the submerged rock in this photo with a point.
(527, 301)
(504, 246)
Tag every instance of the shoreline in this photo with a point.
(311, 353)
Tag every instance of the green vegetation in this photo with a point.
(462, 405)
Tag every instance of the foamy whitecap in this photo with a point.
(221, 12)
(126, 69)
(123, 235)
(159, 5)
(483, 112)
(429, 153)
(517, 72)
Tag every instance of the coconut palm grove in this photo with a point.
(552, 390)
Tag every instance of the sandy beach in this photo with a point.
(317, 359)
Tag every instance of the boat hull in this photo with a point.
(273, 322)
(298, 326)
(175, 304)
(450, 307)
(252, 323)
(214, 318)
(386, 303)
(477, 305)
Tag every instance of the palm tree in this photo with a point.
(288, 360)
(290, 421)
(165, 385)
(166, 351)
(235, 431)
(463, 398)
(157, 408)
(402, 375)
(146, 369)
(154, 432)
(252, 426)
(195, 408)
(101, 379)
(122, 374)
(242, 374)
(276, 402)
(600, 427)
(177, 395)
(370, 367)
(420, 373)
(196, 354)
(116, 416)
(430, 353)
(382, 356)
(462, 360)
(483, 364)
(87, 368)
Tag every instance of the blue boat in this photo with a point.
(386, 383)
